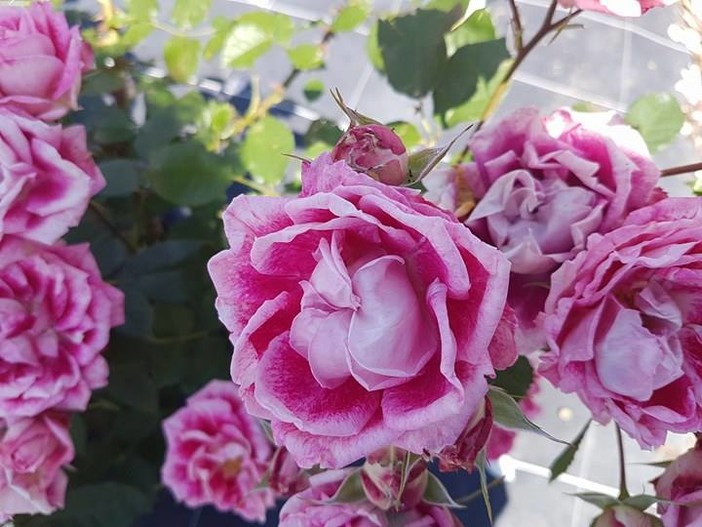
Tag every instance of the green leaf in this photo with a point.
(313, 89)
(477, 28)
(101, 81)
(460, 79)
(182, 56)
(306, 56)
(436, 493)
(187, 174)
(565, 458)
(79, 433)
(131, 384)
(350, 490)
(138, 312)
(598, 499)
(188, 13)
(657, 117)
(135, 33)
(221, 26)
(252, 35)
(264, 147)
(508, 414)
(419, 38)
(142, 9)
(323, 131)
(483, 101)
(163, 255)
(107, 504)
(351, 16)
(643, 501)
(122, 175)
(407, 132)
(516, 379)
(373, 49)
(448, 5)
(481, 465)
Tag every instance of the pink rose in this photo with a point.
(41, 60)
(447, 187)
(624, 323)
(375, 150)
(217, 454)
(625, 516)
(55, 319)
(501, 440)
(543, 185)
(32, 452)
(681, 482)
(617, 7)
(361, 316)
(308, 508)
(47, 177)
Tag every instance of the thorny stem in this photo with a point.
(517, 28)
(683, 169)
(623, 491)
(523, 50)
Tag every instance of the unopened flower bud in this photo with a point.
(285, 477)
(462, 454)
(625, 516)
(375, 150)
(382, 480)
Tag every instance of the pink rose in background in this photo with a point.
(543, 185)
(375, 150)
(447, 187)
(361, 315)
(624, 323)
(625, 516)
(501, 440)
(55, 319)
(308, 508)
(41, 60)
(217, 454)
(32, 452)
(47, 177)
(681, 482)
(617, 7)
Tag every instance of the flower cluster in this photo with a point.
(55, 311)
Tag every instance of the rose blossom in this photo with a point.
(383, 482)
(32, 452)
(625, 516)
(375, 150)
(617, 7)
(217, 454)
(623, 323)
(681, 482)
(55, 319)
(542, 185)
(361, 316)
(425, 515)
(47, 177)
(308, 508)
(41, 60)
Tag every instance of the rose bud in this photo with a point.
(375, 150)
(381, 477)
(462, 454)
(624, 516)
(285, 477)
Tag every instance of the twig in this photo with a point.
(476, 494)
(683, 169)
(517, 27)
(328, 35)
(523, 51)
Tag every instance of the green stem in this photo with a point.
(99, 213)
(623, 491)
(478, 493)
